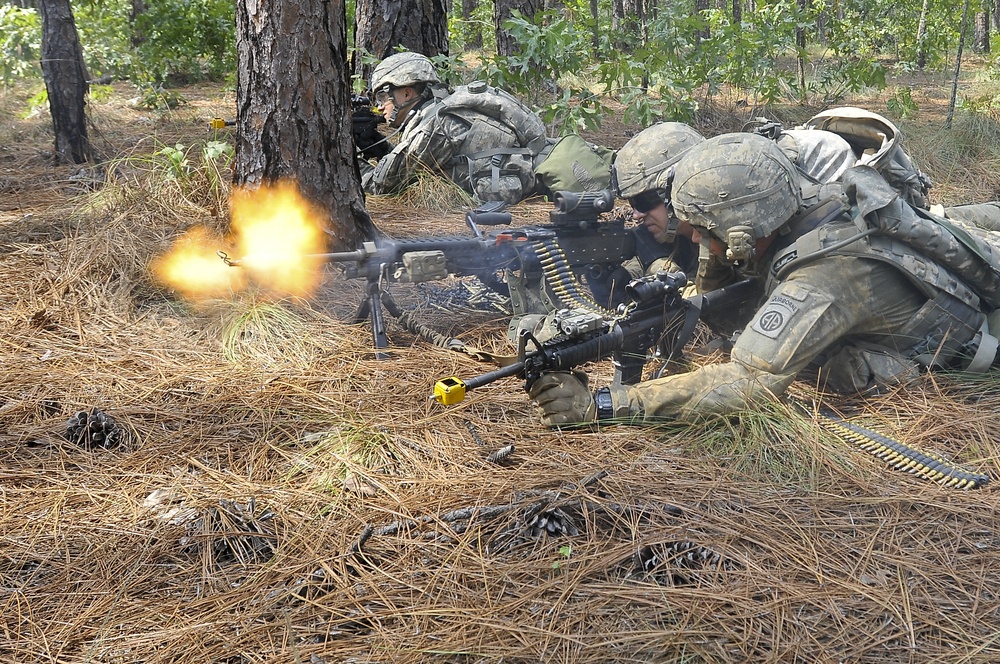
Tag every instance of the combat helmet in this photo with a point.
(643, 164)
(739, 187)
(403, 69)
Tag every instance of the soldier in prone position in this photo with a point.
(482, 138)
(859, 284)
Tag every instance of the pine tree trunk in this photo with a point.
(294, 111)
(501, 12)
(800, 57)
(958, 66)
(473, 31)
(65, 81)
(981, 40)
(420, 26)
(922, 36)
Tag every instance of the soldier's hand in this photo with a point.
(564, 398)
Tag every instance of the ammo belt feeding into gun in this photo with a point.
(561, 280)
(901, 456)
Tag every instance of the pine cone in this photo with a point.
(552, 522)
(233, 532)
(667, 560)
(94, 429)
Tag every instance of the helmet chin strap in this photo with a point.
(405, 109)
(704, 254)
(670, 231)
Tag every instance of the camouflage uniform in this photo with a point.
(867, 312)
(481, 138)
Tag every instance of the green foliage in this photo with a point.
(187, 40)
(199, 172)
(451, 69)
(866, 28)
(156, 97)
(20, 44)
(564, 554)
(901, 104)
(462, 33)
(175, 159)
(37, 103)
(173, 41)
(747, 59)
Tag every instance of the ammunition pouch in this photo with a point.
(945, 329)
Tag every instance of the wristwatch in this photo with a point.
(605, 406)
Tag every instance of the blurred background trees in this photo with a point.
(660, 60)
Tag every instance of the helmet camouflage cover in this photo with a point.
(736, 181)
(403, 69)
(643, 163)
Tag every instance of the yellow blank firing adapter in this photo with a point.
(220, 123)
(449, 391)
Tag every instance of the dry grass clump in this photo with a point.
(283, 495)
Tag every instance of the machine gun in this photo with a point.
(365, 121)
(655, 316)
(537, 265)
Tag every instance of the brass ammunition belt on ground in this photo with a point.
(902, 456)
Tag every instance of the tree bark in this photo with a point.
(922, 35)
(473, 31)
(800, 57)
(958, 66)
(65, 81)
(420, 26)
(501, 12)
(294, 109)
(701, 8)
(981, 38)
(138, 9)
(628, 19)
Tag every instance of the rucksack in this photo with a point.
(873, 141)
(573, 164)
(502, 142)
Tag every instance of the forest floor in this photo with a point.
(272, 492)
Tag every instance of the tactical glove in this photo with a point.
(564, 398)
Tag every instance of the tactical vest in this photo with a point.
(955, 265)
(502, 140)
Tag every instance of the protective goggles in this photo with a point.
(383, 95)
(646, 201)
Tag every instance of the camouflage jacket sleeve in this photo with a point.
(429, 142)
(828, 301)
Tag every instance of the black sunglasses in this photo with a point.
(646, 201)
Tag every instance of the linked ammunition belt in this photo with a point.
(901, 456)
(562, 282)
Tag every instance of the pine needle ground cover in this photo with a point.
(243, 481)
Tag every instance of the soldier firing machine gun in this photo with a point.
(538, 265)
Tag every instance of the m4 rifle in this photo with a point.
(654, 322)
(370, 143)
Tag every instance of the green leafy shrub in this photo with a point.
(20, 44)
(901, 104)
